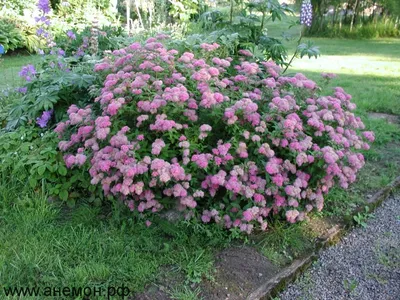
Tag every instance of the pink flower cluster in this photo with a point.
(209, 47)
(229, 141)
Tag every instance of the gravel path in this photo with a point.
(365, 265)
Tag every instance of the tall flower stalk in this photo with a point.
(306, 21)
(44, 22)
(306, 13)
(94, 36)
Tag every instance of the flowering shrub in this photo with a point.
(230, 141)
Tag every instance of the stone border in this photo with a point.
(273, 286)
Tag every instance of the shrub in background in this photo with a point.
(10, 36)
(109, 38)
(26, 15)
(228, 140)
(360, 31)
(354, 19)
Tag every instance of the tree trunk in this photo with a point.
(334, 16)
(139, 15)
(354, 15)
(128, 15)
(374, 12)
(150, 17)
(321, 15)
(231, 13)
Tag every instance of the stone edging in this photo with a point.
(273, 286)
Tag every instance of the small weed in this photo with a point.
(387, 252)
(195, 265)
(350, 285)
(390, 258)
(284, 242)
(185, 293)
(379, 279)
(361, 218)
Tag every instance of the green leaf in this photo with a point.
(308, 49)
(41, 169)
(71, 202)
(32, 182)
(63, 195)
(25, 147)
(62, 170)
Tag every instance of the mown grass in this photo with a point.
(42, 244)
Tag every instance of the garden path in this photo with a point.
(365, 265)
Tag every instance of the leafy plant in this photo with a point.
(30, 40)
(361, 218)
(57, 84)
(30, 155)
(350, 285)
(110, 38)
(283, 242)
(195, 266)
(183, 10)
(247, 26)
(10, 36)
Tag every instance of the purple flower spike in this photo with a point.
(306, 13)
(27, 71)
(22, 90)
(71, 35)
(45, 118)
(44, 6)
(39, 31)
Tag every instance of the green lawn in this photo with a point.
(368, 70)
(47, 245)
(42, 244)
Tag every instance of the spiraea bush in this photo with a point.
(226, 140)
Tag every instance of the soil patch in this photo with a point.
(239, 270)
(160, 290)
(321, 226)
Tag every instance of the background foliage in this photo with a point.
(355, 18)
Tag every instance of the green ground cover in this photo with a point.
(43, 244)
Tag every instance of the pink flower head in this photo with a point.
(245, 53)
(209, 47)
(369, 135)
